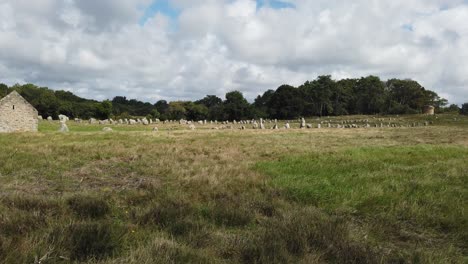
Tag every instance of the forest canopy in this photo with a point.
(323, 96)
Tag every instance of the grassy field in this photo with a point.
(375, 195)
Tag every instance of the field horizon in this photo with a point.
(176, 195)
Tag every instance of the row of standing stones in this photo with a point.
(255, 124)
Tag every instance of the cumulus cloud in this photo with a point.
(100, 49)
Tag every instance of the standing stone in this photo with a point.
(145, 121)
(49, 118)
(107, 129)
(63, 118)
(303, 123)
(287, 126)
(262, 125)
(63, 127)
(39, 117)
(192, 127)
(319, 126)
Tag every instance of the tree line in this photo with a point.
(320, 97)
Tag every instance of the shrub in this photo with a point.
(88, 206)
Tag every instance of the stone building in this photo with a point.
(429, 110)
(17, 115)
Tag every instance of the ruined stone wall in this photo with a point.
(17, 115)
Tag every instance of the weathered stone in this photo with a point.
(63, 118)
(63, 127)
(309, 126)
(145, 121)
(319, 126)
(255, 125)
(107, 129)
(303, 123)
(17, 115)
(39, 117)
(287, 126)
(155, 129)
(192, 127)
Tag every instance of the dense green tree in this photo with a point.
(104, 110)
(176, 110)
(3, 90)
(464, 109)
(196, 111)
(236, 107)
(317, 96)
(286, 103)
(432, 98)
(322, 96)
(343, 98)
(371, 95)
(162, 106)
(453, 108)
(261, 104)
(210, 101)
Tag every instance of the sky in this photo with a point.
(186, 49)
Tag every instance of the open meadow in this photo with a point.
(329, 195)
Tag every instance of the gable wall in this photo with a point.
(22, 118)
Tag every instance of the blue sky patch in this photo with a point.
(276, 4)
(408, 27)
(159, 6)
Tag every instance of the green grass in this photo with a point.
(419, 186)
(391, 195)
